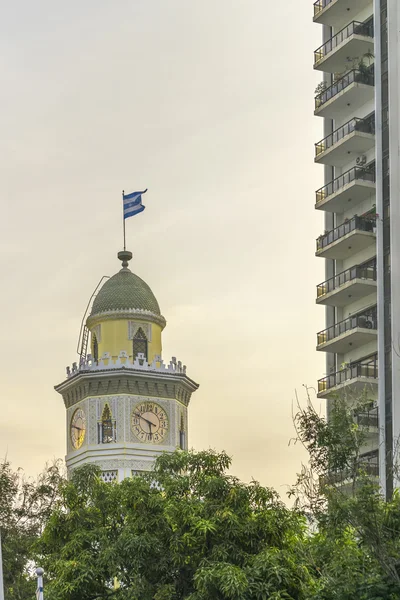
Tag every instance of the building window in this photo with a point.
(139, 344)
(107, 427)
(109, 476)
(182, 435)
(95, 349)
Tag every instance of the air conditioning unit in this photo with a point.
(361, 160)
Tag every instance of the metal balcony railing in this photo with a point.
(354, 224)
(368, 418)
(367, 368)
(320, 5)
(366, 125)
(363, 271)
(363, 173)
(366, 464)
(365, 76)
(367, 319)
(353, 28)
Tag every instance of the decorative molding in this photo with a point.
(145, 315)
(127, 384)
(133, 464)
(133, 327)
(108, 362)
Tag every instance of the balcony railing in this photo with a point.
(368, 464)
(364, 271)
(354, 28)
(367, 319)
(368, 419)
(364, 174)
(368, 368)
(366, 125)
(320, 5)
(354, 224)
(353, 76)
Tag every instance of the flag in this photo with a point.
(133, 204)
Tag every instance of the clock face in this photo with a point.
(149, 422)
(78, 428)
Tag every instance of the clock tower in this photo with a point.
(124, 405)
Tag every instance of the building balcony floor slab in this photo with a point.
(352, 145)
(348, 292)
(338, 12)
(347, 101)
(347, 196)
(354, 387)
(337, 59)
(350, 340)
(349, 244)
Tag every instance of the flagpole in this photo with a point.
(123, 222)
(1, 574)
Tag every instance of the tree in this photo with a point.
(189, 530)
(25, 505)
(356, 547)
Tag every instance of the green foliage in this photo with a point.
(191, 531)
(25, 505)
(196, 534)
(356, 548)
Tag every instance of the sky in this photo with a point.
(208, 104)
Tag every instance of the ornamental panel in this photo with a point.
(134, 326)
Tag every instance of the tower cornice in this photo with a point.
(126, 381)
(132, 313)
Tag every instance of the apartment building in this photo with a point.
(358, 100)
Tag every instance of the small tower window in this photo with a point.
(107, 427)
(182, 435)
(95, 348)
(139, 344)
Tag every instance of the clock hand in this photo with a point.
(144, 419)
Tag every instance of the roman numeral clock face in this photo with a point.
(78, 428)
(149, 423)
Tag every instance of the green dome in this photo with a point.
(125, 291)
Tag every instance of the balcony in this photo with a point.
(353, 332)
(337, 13)
(353, 378)
(352, 90)
(347, 190)
(357, 136)
(368, 419)
(367, 464)
(357, 282)
(356, 39)
(349, 238)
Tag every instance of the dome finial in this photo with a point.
(125, 256)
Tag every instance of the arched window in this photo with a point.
(107, 427)
(182, 434)
(139, 344)
(95, 348)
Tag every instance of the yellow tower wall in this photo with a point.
(114, 337)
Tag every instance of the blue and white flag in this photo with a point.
(133, 204)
